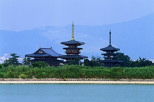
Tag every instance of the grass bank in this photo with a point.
(73, 71)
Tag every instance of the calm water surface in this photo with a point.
(76, 93)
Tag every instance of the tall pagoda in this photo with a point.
(109, 55)
(72, 49)
(47, 55)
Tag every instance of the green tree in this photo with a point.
(95, 61)
(126, 60)
(87, 62)
(13, 60)
(75, 62)
(26, 61)
(141, 62)
(1, 66)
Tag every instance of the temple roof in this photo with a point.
(110, 48)
(44, 52)
(37, 55)
(73, 56)
(73, 48)
(73, 42)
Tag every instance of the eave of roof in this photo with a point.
(110, 48)
(37, 55)
(72, 42)
(73, 48)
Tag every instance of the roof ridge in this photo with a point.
(52, 50)
(45, 48)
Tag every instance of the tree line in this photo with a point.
(93, 68)
(93, 62)
(126, 61)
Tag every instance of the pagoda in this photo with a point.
(110, 53)
(47, 55)
(72, 49)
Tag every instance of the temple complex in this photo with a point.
(47, 55)
(72, 49)
(109, 55)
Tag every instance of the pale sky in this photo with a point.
(30, 14)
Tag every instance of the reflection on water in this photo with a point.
(76, 93)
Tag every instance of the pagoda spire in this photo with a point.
(110, 54)
(110, 37)
(73, 31)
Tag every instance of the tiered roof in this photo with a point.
(110, 47)
(109, 55)
(73, 42)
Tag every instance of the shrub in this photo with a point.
(23, 76)
(75, 71)
(1, 75)
(9, 75)
(39, 64)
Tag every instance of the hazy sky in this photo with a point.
(29, 14)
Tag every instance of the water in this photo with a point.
(76, 93)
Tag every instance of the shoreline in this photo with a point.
(78, 82)
(75, 81)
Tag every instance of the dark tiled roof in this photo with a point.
(50, 51)
(37, 55)
(71, 42)
(73, 48)
(47, 52)
(110, 48)
(110, 54)
(73, 56)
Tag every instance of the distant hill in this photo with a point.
(134, 38)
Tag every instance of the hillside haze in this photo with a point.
(134, 38)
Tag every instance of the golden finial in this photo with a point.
(73, 31)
